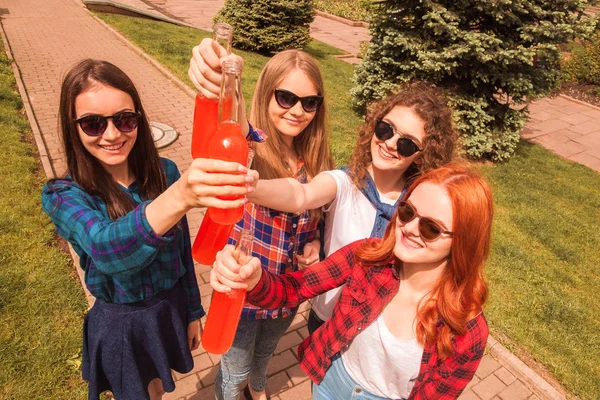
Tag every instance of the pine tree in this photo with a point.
(268, 26)
(484, 53)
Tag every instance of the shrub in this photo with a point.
(268, 26)
(584, 64)
(481, 52)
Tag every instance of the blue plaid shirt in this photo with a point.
(124, 260)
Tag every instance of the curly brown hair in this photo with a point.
(430, 104)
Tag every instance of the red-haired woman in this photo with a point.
(409, 321)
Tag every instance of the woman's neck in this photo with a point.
(121, 174)
(388, 183)
(421, 278)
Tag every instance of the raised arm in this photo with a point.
(271, 291)
(130, 243)
(289, 195)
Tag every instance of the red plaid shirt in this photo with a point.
(362, 300)
(278, 238)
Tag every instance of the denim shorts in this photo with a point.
(339, 385)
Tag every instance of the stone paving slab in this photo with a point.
(46, 37)
(567, 127)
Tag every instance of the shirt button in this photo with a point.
(295, 225)
(358, 390)
(291, 244)
(289, 260)
(359, 328)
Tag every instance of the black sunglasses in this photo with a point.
(428, 228)
(405, 147)
(95, 125)
(287, 100)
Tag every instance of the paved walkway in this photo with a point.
(46, 37)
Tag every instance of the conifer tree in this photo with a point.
(268, 26)
(492, 56)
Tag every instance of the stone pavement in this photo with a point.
(46, 37)
(567, 127)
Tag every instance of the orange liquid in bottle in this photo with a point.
(226, 308)
(228, 144)
(206, 118)
(222, 320)
(211, 238)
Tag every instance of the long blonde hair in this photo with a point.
(312, 144)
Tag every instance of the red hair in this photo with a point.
(461, 291)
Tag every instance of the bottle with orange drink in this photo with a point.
(226, 308)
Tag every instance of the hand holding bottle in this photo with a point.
(205, 67)
(207, 182)
(226, 307)
(232, 272)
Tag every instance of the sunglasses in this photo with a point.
(428, 228)
(287, 100)
(95, 125)
(405, 147)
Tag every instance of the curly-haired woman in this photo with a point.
(404, 134)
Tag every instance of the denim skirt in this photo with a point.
(125, 346)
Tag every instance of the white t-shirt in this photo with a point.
(392, 364)
(351, 217)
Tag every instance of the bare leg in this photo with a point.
(155, 389)
(258, 395)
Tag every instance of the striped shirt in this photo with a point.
(124, 261)
(278, 238)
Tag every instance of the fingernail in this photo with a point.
(241, 168)
(250, 189)
(249, 178)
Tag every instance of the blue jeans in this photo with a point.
(339, 385)
(248, 358)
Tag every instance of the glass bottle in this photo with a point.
(229, 144)
(206, 111)
(226, 308)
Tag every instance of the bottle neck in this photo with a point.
(229, 99)
(223, 35)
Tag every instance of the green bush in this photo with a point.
(268, 26)
(584, 64)
(481, 52)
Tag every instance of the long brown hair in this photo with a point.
(84, 168)
(461, 291)
(312, 144)
(431, 106)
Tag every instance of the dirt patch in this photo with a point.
(588, 93)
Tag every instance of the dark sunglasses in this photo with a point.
(287, 100)
(95, 125)
(428, 228)
(405, 147)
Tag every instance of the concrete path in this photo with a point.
(46, 37)
(567, 127)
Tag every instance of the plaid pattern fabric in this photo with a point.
(362, 300)
(278, 238)
(124, 260)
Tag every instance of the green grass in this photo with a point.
(545, 264)
(41, 303)
(544, 270)
(350, 9)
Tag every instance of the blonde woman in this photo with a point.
(288, 105)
